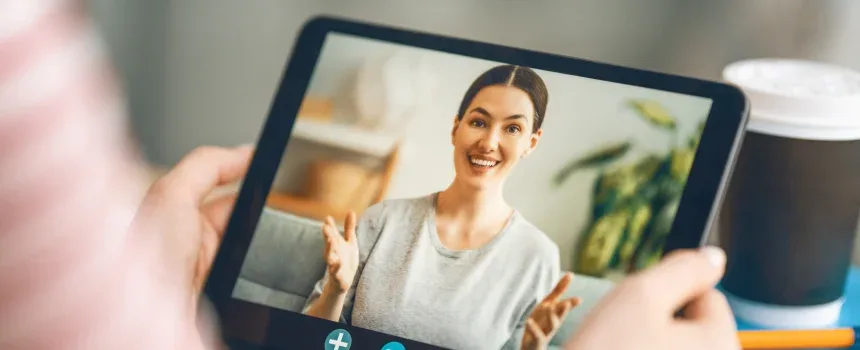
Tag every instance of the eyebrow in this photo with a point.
(487, 114)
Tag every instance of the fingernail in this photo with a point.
(715, 255)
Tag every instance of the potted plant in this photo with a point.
(633, 204)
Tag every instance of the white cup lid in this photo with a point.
(799, 99)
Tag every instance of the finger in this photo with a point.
(535, 331)
(560, 287)
(329, 221)
(554, 319)
(330, 231)
(349, 227)
(564, 307)
(681, 276)
(330, 246)
(568, 307)
(205, 168)
(712, 309)
(218, 212)
(709, 318)
(572, 302)
(209, 243)
(328, 234)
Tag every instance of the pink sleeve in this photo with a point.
(72, 276)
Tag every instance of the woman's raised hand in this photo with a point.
(340, 253)
(546, 318)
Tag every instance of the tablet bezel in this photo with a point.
(702, 197)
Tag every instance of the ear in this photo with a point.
(454, 128)
(534, 139)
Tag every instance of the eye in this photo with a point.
(514, 129)
(478, 123)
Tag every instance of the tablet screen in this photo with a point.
(438, 198)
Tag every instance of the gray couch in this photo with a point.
(285, 261)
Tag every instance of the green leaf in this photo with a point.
(682, 162)
(597, 158)
(611, 189)
(604, 202)
(666, 217)
(647, 168)
(670, 189)
(601, 243)
(664, 180)
(697, 136)
(652, 255)
(634, 231)
(663, 187)
(620, 185)
(654, 113)
(652, 248)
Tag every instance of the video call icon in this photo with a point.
(339, 339)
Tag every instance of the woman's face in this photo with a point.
(494, 134)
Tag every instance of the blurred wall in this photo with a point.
(136, 34)
(225, 59)
(203, 72)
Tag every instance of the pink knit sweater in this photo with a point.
(72, 273)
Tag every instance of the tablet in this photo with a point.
(416, 191)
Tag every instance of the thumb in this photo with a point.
(205, 168)
(349, 227)
(218, 212)
(684, 275)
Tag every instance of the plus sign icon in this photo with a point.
(339, 339)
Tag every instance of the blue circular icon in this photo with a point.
(338, 339)
(393, 346)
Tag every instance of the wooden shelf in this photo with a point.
(305, 207)
(344, 136)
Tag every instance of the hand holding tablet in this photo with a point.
(638, 314)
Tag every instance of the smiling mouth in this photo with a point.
(483, 163)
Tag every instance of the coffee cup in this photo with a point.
(791, 210)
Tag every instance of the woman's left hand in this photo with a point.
(547, 317)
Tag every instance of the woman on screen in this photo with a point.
(459, 268)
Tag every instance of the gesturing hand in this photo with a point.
(547, 316)
(340, 253)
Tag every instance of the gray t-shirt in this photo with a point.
(409, 285)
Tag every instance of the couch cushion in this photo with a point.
(285, 253)
(255, 293)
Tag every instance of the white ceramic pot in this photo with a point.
(389, 88)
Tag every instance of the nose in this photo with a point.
(490, 141)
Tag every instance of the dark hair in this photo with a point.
(519, 77)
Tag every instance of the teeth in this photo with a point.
(483, 162)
